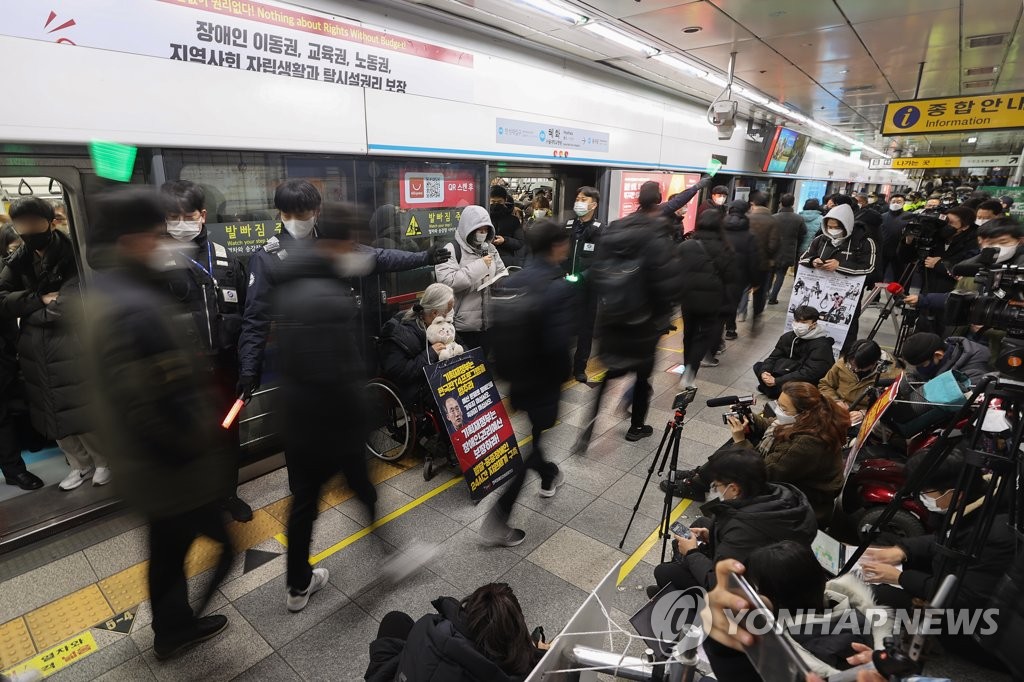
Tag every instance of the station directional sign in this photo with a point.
(1001, 111)
(944, 162)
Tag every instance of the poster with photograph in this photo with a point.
(834, 295)
(477, 423)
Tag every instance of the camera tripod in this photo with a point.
(667, 454)
(909, 318)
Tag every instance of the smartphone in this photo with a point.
(772, 654)
(681, 530)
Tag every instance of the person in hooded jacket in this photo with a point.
(843, 247)
(508, 228)
(791, 233)
(298, 202)
(40, 287)
(483, 637)
(712, 286)
(803, 354)
(473, 266)
(811, 215)
(929, 355)
(743, 512)
(744, 245)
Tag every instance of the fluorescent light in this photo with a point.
(715, 79)
(554, 9)
(750, 94)
(971, 140)
(620, 38)
(680, 65)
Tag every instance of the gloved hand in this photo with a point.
(438, 254)
(706, 182)
(246, 385)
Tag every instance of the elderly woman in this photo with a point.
(404, 351)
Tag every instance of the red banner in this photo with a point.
(437, 189)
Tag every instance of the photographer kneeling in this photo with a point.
(745, 512)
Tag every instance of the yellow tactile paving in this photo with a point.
(204, 552)
(58, 620)
(15, 643)
(126, 589)
(279, 509)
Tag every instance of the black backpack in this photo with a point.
(618, 276)
(515, 318)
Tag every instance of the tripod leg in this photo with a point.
(662, 454)
(666, 512)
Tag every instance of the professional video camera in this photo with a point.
(740, 406)
(998, 304)
(924, 232)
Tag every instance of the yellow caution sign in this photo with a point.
(954, 114)
(414, 228)
(60, 656)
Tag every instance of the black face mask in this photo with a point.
(37, 242)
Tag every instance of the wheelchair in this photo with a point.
(396, 428)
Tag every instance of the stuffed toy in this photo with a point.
(441, 330)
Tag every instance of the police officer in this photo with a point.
(583, 239)
(298, 202)
(210, 283)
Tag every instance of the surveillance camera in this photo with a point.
(724, 112)
(725, 130)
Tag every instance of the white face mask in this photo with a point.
(895, 207)
(477, 239)
(355, 263)
(300, 229)
(931, 504)
(581, 208)
(837, 233)
(714, 496)
(1005, 253)
(185, 230)
(781, 417)
(801, 329)
(980, 221)
(539, 212)
(720, 200)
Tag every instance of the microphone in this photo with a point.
(894, 288)
(726, 400)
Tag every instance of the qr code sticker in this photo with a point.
(424, 188)
(432, 188)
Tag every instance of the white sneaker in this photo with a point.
(298, 600)
(29, 675)
(76, 478)
(101, 476)
(550, 492)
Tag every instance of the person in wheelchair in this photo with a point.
(404, 352)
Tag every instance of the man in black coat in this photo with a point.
(792, 229)
(12, 466)
(585, 232)
(210, 283)
(508, 228)
(744, 245)
(803, 354)
(537, 387)
(322, 379)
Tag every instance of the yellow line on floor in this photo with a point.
(645, 546)
(671, 350)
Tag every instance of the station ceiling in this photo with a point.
(836, 61)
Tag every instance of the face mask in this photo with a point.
(300, 229)
(714, 496)
(801, 329)
(836, 233)
(720, 201)
(477, 239)
(979, 222)
(581, 208)
(780, 416)
(894, 207)
(931, 504)
(929, 371)
(37, 242)
(540, 213)
(354, 263)
(1005, 253)
(185, 230)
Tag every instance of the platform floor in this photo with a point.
(78, 602)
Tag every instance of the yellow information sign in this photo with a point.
(954, 114)
(60, 656)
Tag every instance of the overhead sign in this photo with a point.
(266, 37)
(945, 162)
(532, 134)
(954, 114)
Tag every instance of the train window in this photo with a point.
(14, 188)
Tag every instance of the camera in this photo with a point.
(924, 232)
(999, 304)
(723, 116)
(740, 406)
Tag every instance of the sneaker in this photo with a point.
(497, 533)
(581, 377)
(202, 630)
(76, 478)
(101, 476)
(773, 302)
(237, 507)
(635, 433)
(710, 362)
(721, 348)
(297, 600)
(691, 488)
(550, 492)
(510, 538)
(731, 335)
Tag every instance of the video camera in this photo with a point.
(924, 232)
(998, 304)
(740, 406)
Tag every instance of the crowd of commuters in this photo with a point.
(175, 329)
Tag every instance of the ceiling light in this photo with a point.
(693, 29)
(620, 38)
(844, 71)
(554, 9)
(715, 79)
(750, 94)
(971, 140)
(680, 65)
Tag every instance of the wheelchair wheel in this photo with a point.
(392, 428)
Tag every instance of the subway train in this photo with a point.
(398, 119)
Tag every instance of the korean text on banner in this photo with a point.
(477, 422)
(834, 295)
(954, 114)
(873, 416)
(448, 189)
(243, 239)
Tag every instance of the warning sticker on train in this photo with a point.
(266, 37)
(954, 114)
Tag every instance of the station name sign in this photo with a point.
(954, 114)
(944, 162)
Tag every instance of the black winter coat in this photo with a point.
(740, 526)
(792, 229)
(939, 279)
(712, 276)
(796, 359)
(49, 348)
(508, 226)
(744, 246)
(404, 353)
(856, 255)
(439, 649)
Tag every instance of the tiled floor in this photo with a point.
(572, 541)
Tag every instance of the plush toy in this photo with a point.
(441, 330)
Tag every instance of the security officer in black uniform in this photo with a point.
(584, 236)
(210, 283)
(299, 201)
